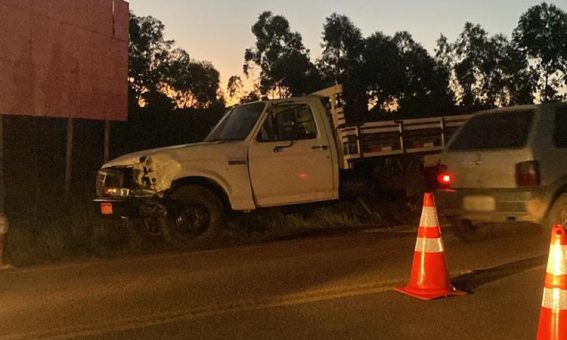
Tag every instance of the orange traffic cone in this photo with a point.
(553, 317)
(429, 276)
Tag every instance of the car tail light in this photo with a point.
(527, 174)
(444, 178)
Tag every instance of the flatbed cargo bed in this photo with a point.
(386, 138)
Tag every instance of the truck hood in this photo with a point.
(134, 157)
(156, 169)
(197, 151)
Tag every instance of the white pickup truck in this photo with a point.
(263, 154)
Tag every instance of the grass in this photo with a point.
(78, 232)
(276, 222)
(272, 224)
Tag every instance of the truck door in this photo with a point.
(290, 159)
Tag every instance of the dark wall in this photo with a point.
(35, 154)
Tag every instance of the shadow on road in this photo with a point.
(470, 281)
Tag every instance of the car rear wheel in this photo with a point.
(468, 232)
(195, 215)
(557, 214)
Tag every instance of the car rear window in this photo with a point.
(503, 130)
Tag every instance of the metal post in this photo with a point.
(106, 141)
(69, 156)
(3, 219)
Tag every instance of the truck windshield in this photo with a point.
(503, 130)
(237, 123)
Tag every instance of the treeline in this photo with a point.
(382, 74)
(163, 76)
(386, 74)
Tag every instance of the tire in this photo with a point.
(195, 216)
(469, 232)
(557, 214)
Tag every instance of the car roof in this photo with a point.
(533, 107)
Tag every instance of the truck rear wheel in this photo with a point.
(469, 232)
(195, 215)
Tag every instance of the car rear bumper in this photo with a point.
(510, 205)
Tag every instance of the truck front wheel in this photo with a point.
(195, 215)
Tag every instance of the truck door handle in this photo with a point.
(320, 147)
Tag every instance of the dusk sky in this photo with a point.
(219, 31)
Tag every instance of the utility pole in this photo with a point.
(106, 154)
(69, 156)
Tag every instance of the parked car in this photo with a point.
(506, 165)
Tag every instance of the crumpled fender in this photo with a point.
(159, 170)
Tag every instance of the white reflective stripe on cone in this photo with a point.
(554, 299)
(429, 245)
(429, 218)
(557, 264)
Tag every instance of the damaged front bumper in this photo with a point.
(115, 208)
(121, 192)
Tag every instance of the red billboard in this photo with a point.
(64, 58)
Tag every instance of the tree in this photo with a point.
(192, 83)
(251, 96)
(519, 79)
(470, 52)
(343, 45)
(382, 72)
(163, 77)
(149, 54)
(205, 80)
(342, 62)
(444, 53)
(179, 78)
(542, 34)
(424, 84)
(158, 101)
(387, 73)
(282, 58)
(444, 60)
(234, 86)
(485, 71)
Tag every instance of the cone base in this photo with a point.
(430, 294)
(552, 325)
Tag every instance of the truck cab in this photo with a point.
(262, 154)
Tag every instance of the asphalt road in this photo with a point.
(333, 287)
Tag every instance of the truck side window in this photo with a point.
(560, 132)
(288, 122)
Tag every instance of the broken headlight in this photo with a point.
(120, 183)
(116, 192)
